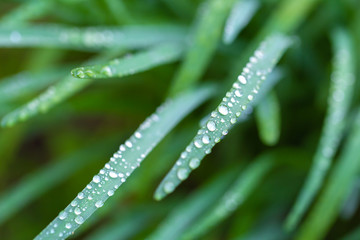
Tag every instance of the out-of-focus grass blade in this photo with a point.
(240, 16)
(341, 91)
(351, 202)
(124, 162)
(345, 172)
(125, 227)
(35, 184)
(119, 11)
(233, 105)
(354, 235)
(90, 38)
(203, 43)
(70, 85)
(27, 11)
(235, 196)
(187, 212)
(26, 83)
(142, 61)
(267, 114)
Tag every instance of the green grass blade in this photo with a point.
(234, 103)
(119, 11)
(354, 235)
(341, 91)
(90, 38)
(26, 83)
(234, 196)
(240, 16)
(192, 207)
(267, 114)
(27, 11)
(328, 206)
(203, 44)
(35, 184)
(123, 163)
(142, 61)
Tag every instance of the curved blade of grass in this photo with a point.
(267, 114)
(121, 67)
(234, 103)
(192, 207)
(341, 91)
(124, 162)
(203, 43)
(26, 83)
(240, 16)
(35, 184)
(27, 11)
(70, 85)
(345, 172)
(234, 196)
(90, 38)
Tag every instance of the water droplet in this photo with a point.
(15, 36)
(68, 225)
(206, 139)
(113, 174)
(106, 71)
(238, 93)
(138, 135)
(169, 187)
(194, 163)
(96, 179)
(128, 144)
(182, 173)
(79, 220)
(233, 120)
(223, 110)
(74, 203)
(211, 126)
(242, 79)
(99, 204)
(110, 193)
(77, 211)
(80, 195)
(62, 215)
(198, 143)
(250, 97)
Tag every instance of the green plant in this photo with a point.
(78, 77)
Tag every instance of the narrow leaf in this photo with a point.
(240, 16)
(233, 105)
(203, 43)
(267, 114)
(235, 196)
(328, 206)
(90, 38)
(142, 61)
(123, 163)
(341, 91)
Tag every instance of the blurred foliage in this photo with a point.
(264, 161)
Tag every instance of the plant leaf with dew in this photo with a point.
(240, 15)
(187, 212)
(124, 162)
(203, 43)
(234, 103)
(35, 184)
(90, 38)
(341, 91)
(142, 61)
(344, 173)
(70, 85)
(25, 83)
(267, 114)
(239, 191)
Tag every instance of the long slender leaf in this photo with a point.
(123, 163)
(90, 38)
(341, 92)
(35, 184)
(129, 65)
(345, 172)
(240, 16)
(234, 196)
(234, 103)
(267, 114)
(203, 44)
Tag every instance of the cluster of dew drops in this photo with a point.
(235, 102)
(100, 188)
